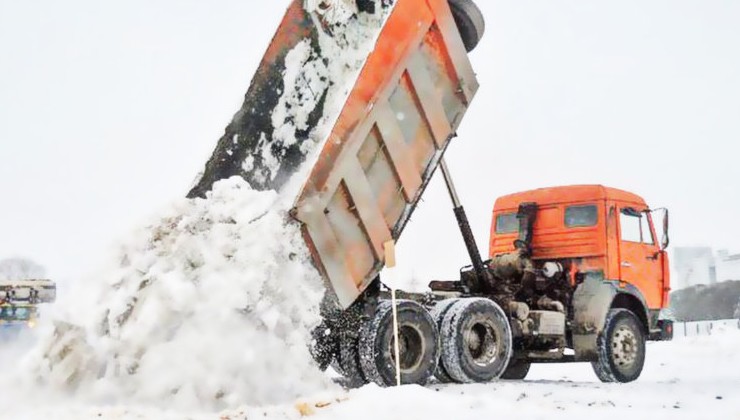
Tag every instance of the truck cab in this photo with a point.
(591, 229)
(603, 244)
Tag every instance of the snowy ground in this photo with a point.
(694, 377)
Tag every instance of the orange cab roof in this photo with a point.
(567, 194)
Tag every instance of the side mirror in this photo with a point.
(665, 240)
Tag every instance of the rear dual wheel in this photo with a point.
(347, 363)
(438, 313)
(517, 369)
(418, 344)
(476, 341)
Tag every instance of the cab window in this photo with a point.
(635, 226)
(581, 216)
(507, 223)
(647, 234)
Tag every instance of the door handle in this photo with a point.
(626, 264)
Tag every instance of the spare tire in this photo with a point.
(469, 21)
(418, 344)
(476, 341)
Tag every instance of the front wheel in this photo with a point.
(621, 347)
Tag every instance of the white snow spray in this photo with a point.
(210, 305)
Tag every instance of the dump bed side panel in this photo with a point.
(404, 108)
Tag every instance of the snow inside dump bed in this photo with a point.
(296, 94)
(210, 305)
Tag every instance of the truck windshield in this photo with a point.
(507, 223)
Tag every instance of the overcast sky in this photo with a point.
(109, 109)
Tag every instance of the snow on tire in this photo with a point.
(621, 348)
(418, 344)
(476, 341)
(347, 363)
(438, 312)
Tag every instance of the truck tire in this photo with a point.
(517, 369)
(347, 363)
(476, 341)
(621, 348)
(323, 346)
(419, 344)
(438, 313)
(469, 21)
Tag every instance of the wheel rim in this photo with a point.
(624, 347)
(481, 343)
(410, 348)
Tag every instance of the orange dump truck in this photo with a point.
(573, 274)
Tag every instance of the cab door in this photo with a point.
(640, 259)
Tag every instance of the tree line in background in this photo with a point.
(12, 269)
(706, 302)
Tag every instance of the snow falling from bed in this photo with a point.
(211, 304)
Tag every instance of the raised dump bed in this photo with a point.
(386, 144)
(388, 138)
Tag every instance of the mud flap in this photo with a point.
(664, 331)
(591, 302)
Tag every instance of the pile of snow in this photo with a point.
(211, 305)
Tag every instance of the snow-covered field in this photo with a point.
(689, 378)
